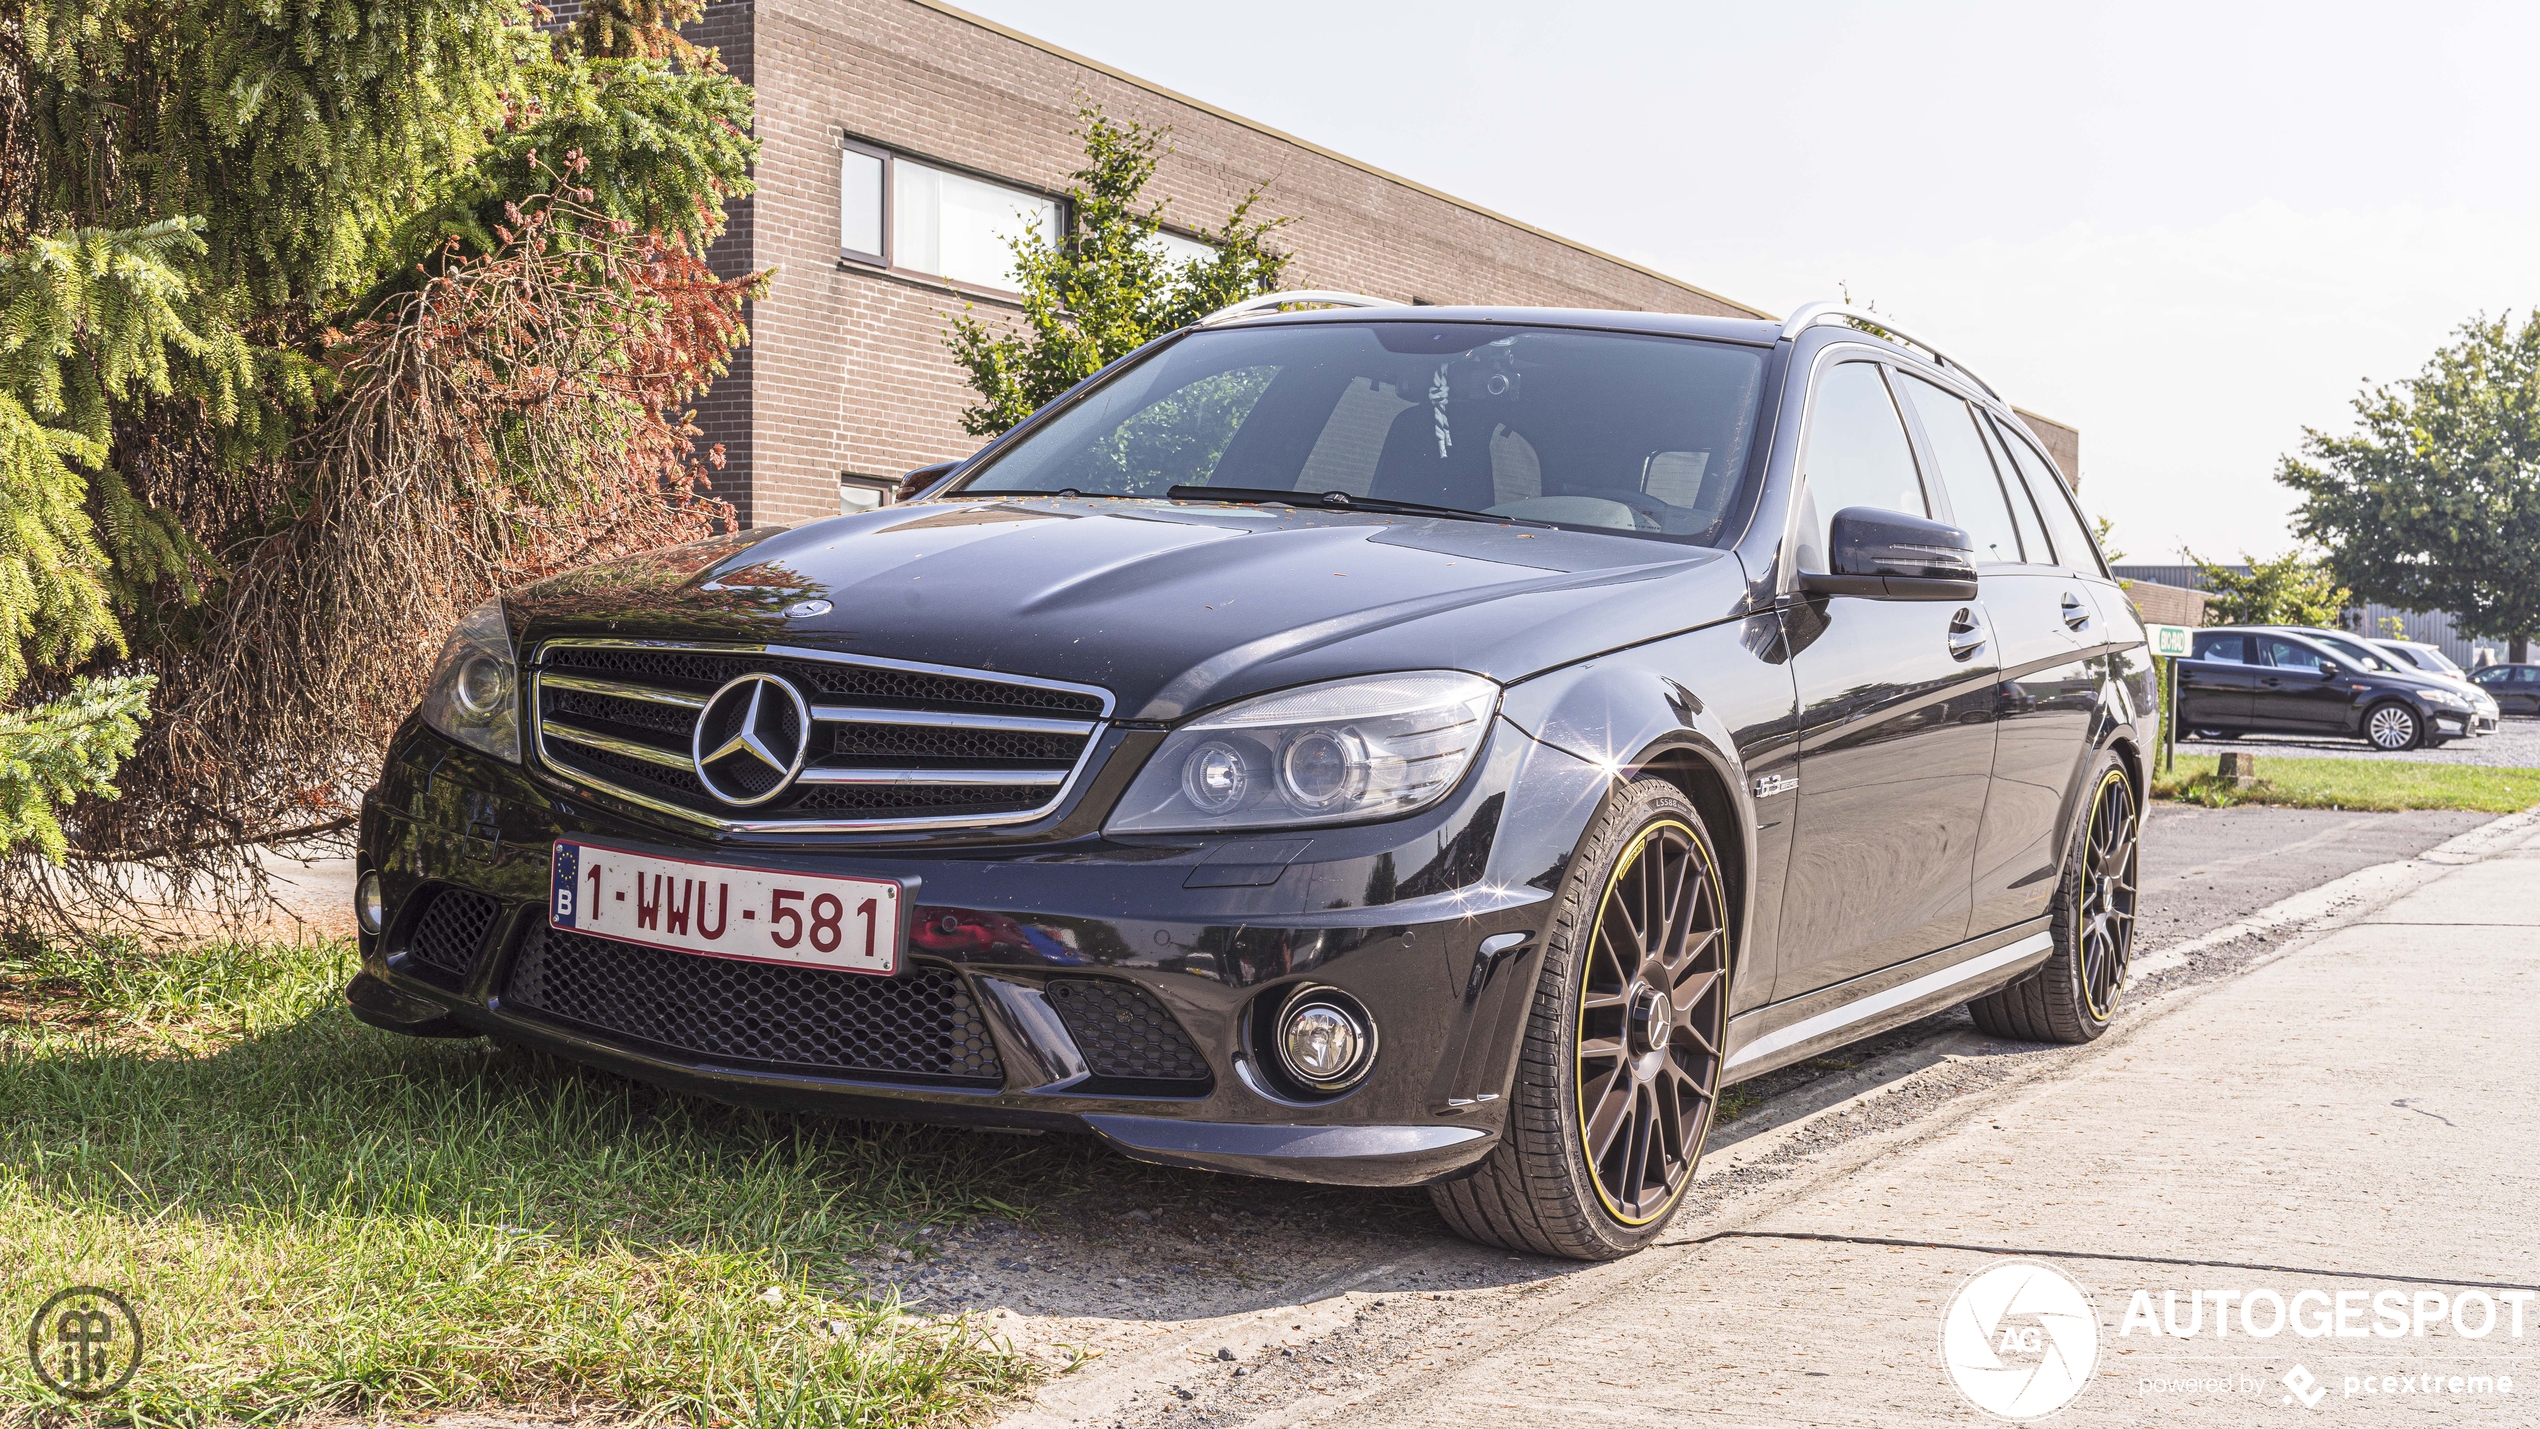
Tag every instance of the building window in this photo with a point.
(858, 492)
(1178, 249)
(897, 212)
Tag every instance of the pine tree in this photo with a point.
(213, 215)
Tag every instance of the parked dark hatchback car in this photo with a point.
(2516, 688)
(2271, 680)
(1385, 746)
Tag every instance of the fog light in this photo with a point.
(370, 905)
(1325, 1042)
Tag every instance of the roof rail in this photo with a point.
(1297, 297)
(1876, 325)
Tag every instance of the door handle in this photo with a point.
(1966, 634)
(2076, 615)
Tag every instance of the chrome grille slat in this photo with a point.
(624, 691)
(946, 719)
(632, 749)
(820, 775)
(910, 746)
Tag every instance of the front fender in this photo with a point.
(1713, 709)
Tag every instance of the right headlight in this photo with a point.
(474, 694)
(1341, 752)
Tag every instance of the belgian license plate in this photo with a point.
(725, 911)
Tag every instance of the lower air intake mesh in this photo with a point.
(1125, 1033)
(452, 927)
(919, 1027)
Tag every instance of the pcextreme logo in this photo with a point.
(2020, 1339)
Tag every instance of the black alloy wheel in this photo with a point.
(2073, 994)
(1652, 1016)
(2391, 726)
(1620, 1071)
(2109, 869)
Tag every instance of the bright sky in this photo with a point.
(2189, 229)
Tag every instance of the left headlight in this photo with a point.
(2446, 698)
(474, 696)
(1342, 752)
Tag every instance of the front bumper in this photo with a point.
(1393, 915)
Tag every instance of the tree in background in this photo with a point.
(317, 325)
(1106, 288)
(2289, 590)
(2434, 504)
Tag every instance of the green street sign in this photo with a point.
(2173, 641)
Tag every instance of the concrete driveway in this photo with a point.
(2341, 1122)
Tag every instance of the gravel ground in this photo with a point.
(1131, 1263)
(2514, 745)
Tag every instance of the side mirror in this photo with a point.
(1888, 555)
(2329, 670)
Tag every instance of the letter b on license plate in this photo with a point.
(726, 910)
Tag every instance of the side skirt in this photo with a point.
(1801, 1027)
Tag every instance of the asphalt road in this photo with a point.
(2514, 745)
(2331, 1107)
(1156, 1270)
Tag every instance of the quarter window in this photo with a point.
(1966, 468)
(1857, 456)
(896, 212)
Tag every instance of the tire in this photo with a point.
(2073, 994)
(2392, 726)
(1590, 1065)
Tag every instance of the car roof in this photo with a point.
(1747, 330)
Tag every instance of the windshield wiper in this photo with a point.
(1335, 501)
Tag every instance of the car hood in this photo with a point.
(1172, 606)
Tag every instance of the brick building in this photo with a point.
(901, 138)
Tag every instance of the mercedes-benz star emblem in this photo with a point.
(751, 738)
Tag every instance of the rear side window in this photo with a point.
(2073, 546)
(1857, 456)
(2229, 649)
(2527, 674)
(2023, 506)
(1966, 468)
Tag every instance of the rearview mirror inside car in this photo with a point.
(1888, 555)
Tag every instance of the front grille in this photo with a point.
(922, 1026)
(896, 746)
(1125, 1034)
(447, 934)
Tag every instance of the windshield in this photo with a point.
(1611, 431)
(2430, 658)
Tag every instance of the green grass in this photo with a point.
(315, 1217)
(2354, 784)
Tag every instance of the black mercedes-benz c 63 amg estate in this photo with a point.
(1376, 745)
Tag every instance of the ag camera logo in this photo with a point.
(2020, 1339)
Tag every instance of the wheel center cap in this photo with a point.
(1653, 1020)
